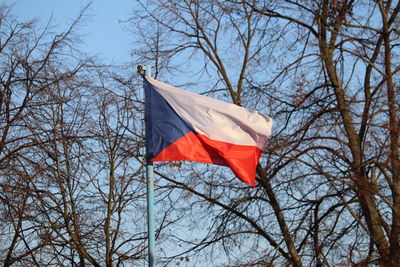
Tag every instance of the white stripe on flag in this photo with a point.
(216, 119)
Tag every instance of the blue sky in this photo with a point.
(103, 33)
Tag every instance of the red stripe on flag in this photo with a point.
(241, 159)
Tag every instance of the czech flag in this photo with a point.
(183, 126)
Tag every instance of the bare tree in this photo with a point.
(325, 71)
(26, 54)
(71, 189)
(92, 189)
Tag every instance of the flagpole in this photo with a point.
(150, 199)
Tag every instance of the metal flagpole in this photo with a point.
(150, 198)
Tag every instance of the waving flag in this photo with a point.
(183, 126)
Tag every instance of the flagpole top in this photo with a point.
(144, 70)
(140, 70)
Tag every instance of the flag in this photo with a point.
(184, 126)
